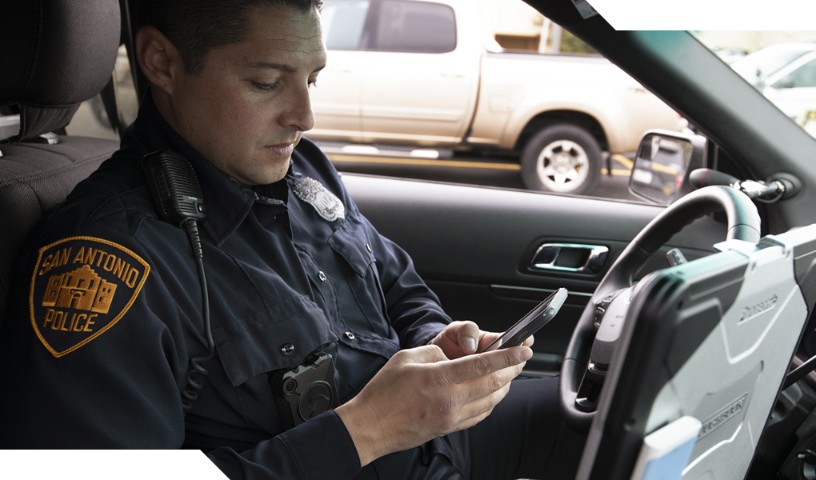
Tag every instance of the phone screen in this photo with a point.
(530, 323)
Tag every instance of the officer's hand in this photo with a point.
(462, 338)
(420, 394)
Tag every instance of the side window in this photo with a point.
(414, 27)
(394, 103)
(343, 24)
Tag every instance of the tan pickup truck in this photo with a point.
(422, 74)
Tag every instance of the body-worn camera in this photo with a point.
(307, 390)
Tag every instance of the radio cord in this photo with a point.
(197, 373)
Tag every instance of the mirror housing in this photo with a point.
(663, 162)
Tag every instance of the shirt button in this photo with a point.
(321, 276)
(288, 349)
(368, 247)
(349, 335)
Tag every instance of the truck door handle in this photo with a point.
(569, 257)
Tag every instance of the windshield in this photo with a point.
(777, 64)
(757, 66)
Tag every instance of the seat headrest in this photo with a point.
(55, 55)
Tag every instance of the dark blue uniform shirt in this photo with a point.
(106, 312)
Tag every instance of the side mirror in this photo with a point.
(662, 163)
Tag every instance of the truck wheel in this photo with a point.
(563, 159)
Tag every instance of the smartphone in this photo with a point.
(530, 323)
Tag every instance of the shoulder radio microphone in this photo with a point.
(177, 194)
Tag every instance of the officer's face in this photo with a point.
(248, 107)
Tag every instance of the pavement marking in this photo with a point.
(623, 160)
(339, 157)
(426, 162)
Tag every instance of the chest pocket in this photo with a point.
(278, 338)
(240, 399)
(364, 307)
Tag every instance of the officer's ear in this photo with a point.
(159, 59)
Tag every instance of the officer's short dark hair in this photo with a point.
(197, 26)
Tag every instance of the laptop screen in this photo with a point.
(703, 354)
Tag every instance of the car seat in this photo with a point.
(54, 54)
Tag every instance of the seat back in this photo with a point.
(54, 54)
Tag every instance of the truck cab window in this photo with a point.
(343, 24)
(415, 27)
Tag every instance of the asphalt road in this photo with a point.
(495, 172)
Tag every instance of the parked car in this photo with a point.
(422, 74)
(757, 66)
(491, 254)
(786, 74)
(793, 88)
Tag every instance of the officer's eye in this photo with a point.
(264, 87)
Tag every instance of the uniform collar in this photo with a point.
(151, 132)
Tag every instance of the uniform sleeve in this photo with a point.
(320, 449)
(90, 365)
(414, 309)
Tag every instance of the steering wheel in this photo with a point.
(591, 345)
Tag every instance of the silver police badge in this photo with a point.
(315, 194)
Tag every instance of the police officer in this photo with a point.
(316, 350)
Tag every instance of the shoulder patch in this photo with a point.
(80, 288)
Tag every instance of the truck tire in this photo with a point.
(562, 159)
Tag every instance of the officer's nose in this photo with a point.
(298, 113)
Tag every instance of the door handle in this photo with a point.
(569, 257)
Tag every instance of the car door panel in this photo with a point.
(474, 245)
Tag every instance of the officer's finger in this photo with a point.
(471, 367)
(423, 354)
(467, 335)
